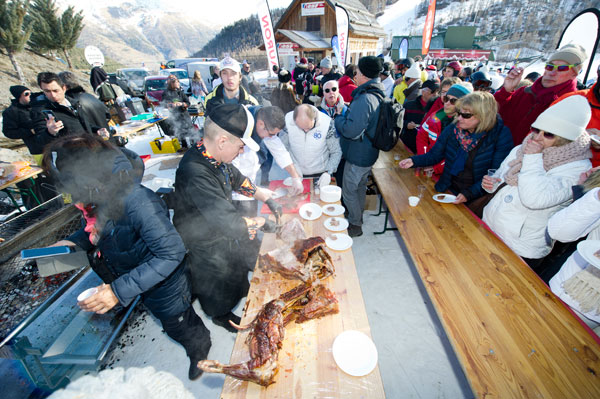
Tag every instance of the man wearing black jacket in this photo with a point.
(17, 122)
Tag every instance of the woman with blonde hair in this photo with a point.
(475, 142)
(539, 175)
(197, 86)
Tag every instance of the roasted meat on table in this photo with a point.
(291, 231)
(301, 303)
(305, 260)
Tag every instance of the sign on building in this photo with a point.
(287, 48)
(314, 8)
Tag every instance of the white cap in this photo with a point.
(567, 118)
(230, 63)
(247, 138)
(414, 72)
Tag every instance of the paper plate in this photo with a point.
(287, 182)
(587, 248)
(445, 198)
(341, 242)
(341, 225)
(333, 209)
(310, 211)
(355, 353)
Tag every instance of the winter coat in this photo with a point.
(92, 110)
(17, 124)
(332, 111)
(437, 105)
(347, 86)
(399, 92)
(216, 98)
(490, 153)
(414, 112)
(144, 253)
(314, 152)
(519, 214)
(579, 219)
(428, 134)
(302, 77)
(358, 124)
(521, 108)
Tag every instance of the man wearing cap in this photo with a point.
(519, 108)
(356, 128)
(386, 79)
(415, 111)
(401, 84)
(229, 91)
(17, 123)
(328, 72)
(213, 231)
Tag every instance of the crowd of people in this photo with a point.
(518, 157)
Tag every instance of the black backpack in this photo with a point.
(389, 123)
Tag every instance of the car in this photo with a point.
(180, 73)
(131, 80)
(154, 87)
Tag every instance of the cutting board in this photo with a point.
(275, 184)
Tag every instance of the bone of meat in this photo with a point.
(282, 261)
(289, 202)
(291, 231)
(301, 303)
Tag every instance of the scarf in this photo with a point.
(466, 142)
(331, 111)
(553, 156)
(584, 287)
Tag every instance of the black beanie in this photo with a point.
(284, 75)
(370, 66)
(16, 91)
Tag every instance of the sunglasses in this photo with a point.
(465, 115)
(333, 89)
(482, 84)
(559, 68)
(547, 135)
(451, 100)
(27, 94)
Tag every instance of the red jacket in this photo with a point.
(428, 134)
(594, 121)
(435, 107)
(347, 86)
(521, 108)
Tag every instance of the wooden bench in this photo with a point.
(512, 335)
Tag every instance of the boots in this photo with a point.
(223, 321)
(188, 330)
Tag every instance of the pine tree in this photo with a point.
(43, 15)
(70, 25)
(14, 31)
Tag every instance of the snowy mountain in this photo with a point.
(137, 32)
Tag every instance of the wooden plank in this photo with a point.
(513, 337)
(306, 365)
(32, 172)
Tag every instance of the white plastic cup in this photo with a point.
(86, 294)
(492, 175)
(413, 201)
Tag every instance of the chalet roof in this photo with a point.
(305, 39)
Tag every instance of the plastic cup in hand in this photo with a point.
(413, 201)
(429, 172)
(492, 174)
(86, 294)
(396, 159)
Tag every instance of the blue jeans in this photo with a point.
(354, 191)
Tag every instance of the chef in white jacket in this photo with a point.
(539, 175)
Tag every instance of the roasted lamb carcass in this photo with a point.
(301, 303)
(291, 231)
(306, 260)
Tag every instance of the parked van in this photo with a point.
(180, 62)
(180, 74)
(204, 68)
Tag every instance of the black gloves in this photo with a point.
(276, 208)
(270, 227)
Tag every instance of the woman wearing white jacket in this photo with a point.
(539, 175)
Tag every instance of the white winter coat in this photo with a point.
(519, 215)
(579, 219)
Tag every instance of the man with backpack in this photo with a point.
(357, 129)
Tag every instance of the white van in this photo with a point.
(180, 62)
(204, 68)
(180, 73)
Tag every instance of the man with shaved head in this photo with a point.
(310, 138)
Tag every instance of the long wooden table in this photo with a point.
(306, 365)
(512, 335)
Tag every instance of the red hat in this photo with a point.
(303, 60)
(455, 65)
(431, 67)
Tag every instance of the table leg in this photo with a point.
(32, 193)
(12, 199)
(385, 223)
(380, 205)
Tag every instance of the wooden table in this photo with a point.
(32, 172)
(306, 365)
(128, 131)
(512, 335)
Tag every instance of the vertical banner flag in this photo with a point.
(335, 45)
(341, 20)
(266, 25)
(428, 29)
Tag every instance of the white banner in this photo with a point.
(266, 25)
(287, 48)
(316, 8)
(341, 20)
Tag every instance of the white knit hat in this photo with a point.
(413, 72)
(567, 118)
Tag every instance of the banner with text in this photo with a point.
(341, 21)
(266, 25)
(287, 48)
(428, 28)
(315, 8)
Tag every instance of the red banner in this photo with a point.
(428, 28)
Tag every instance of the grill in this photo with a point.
(14, 226)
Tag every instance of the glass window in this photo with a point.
(156, 84)
(313, 24)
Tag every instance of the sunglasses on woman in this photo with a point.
(547, 135)
(452, 100)
(465, 115)
(333, 89)
(559, 68)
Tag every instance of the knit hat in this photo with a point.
(326, 63)
(17, 90)
(386, 68)
(431, 85)
(303, 60)
(230, 63)
(567, 118)
(413, 72)
(236, 120)
(370, 66)
(571, 53)
(284, 75)
(459, 90)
